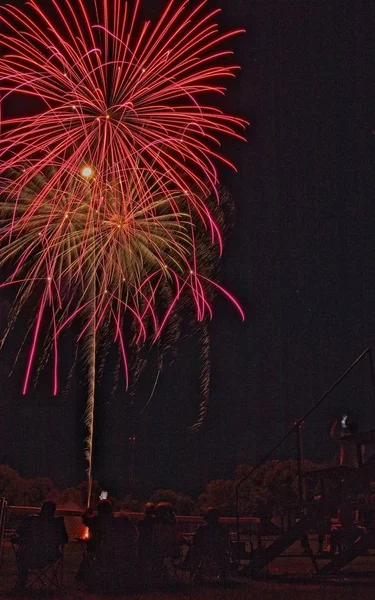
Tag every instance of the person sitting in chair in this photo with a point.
(118, 560)
(39, 540)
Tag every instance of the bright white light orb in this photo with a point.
(87, 172)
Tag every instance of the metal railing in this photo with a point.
(250, 525)
(296, 429)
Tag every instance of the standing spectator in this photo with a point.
(211, 543)
(97, 522)
(342, 431)
(364, 510)
(347, 529)
(146, 529)
(167, 537)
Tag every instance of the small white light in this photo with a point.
(49, 278)
(108, 116)
(74, 107)
(143, 70)
(191, 272)
(86, 172)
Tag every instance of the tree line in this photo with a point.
(272, 489)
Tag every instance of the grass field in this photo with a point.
(288, 578)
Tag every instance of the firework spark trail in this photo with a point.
(205, 377)
(90, 405)
(105, 185)
(131, 101)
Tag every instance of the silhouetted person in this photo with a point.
(149, 562)
(341, 432)
(323, 507)
(97, 522)
(164, 513)
(146, 532)
(364, 510)
(39, 539)
(347, 528)
(167, 534)
(118, 552)
(211, 542)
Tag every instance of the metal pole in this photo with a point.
(132, 441)
(301, 484)
(372, 372)
(238, 513)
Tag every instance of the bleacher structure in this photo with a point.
(344, 480)
(363, 540)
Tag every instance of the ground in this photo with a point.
(288, 578)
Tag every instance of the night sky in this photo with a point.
(300, 258)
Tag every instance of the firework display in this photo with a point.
(108, 168)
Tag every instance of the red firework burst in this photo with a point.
(114, 93)
(105, 183)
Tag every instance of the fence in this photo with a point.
(249, 527)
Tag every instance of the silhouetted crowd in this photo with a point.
(119, 552)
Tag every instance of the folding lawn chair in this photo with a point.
(40, 554)
(46, 572)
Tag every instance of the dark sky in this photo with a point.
(300, 258)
